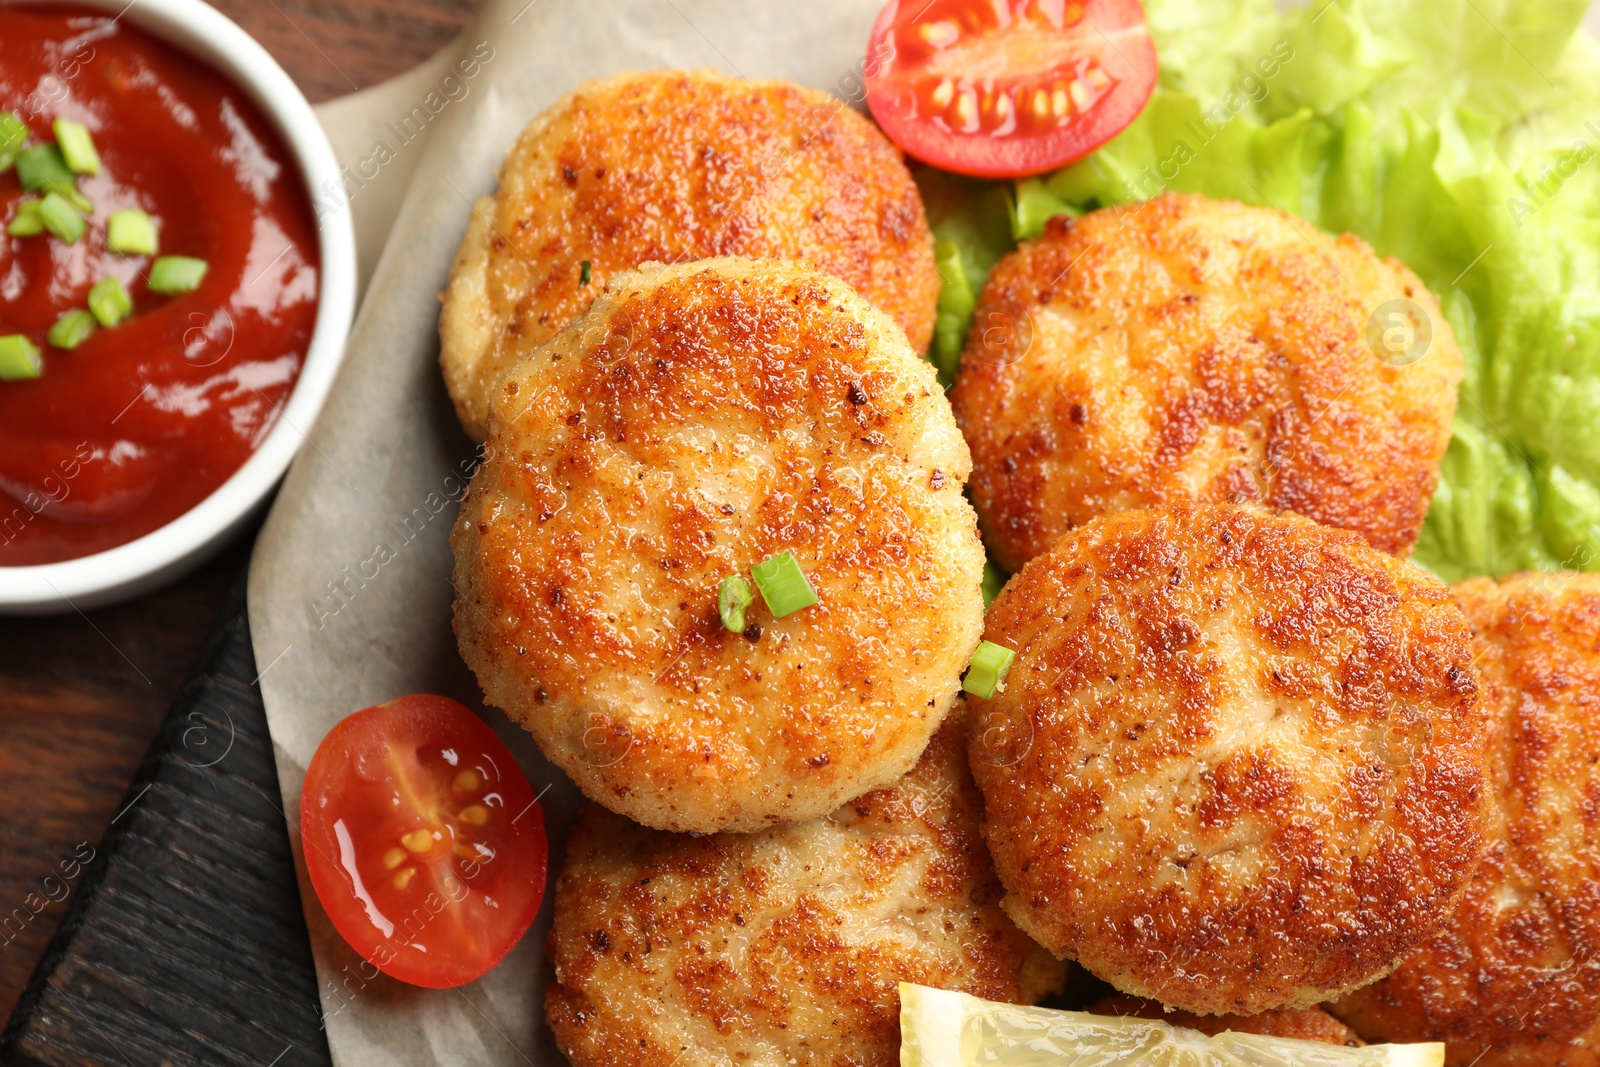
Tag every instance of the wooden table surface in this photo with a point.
(81, 695)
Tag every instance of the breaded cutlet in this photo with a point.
(1302, 1024)
(1513, 979)
(671, 166)
(698, 420)
(1203, 351)
(783, 947)
(1238, 763)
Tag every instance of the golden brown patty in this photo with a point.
(673, 166)
(783, 947)
(1303, 1024)
(1198, 350)
(697, 420)
(1513, 980)
(1238, 762)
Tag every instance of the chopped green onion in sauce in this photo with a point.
(732, 598)
(176, 274)
(27, 222)
(61, 218)
(109, 302)
(13, 135)
(72, 329)
(75, 198)
(584, 271)
(990, 664)
(783, 585)
(19, 359)
(42, 167)
(77, 147)
(131, 233)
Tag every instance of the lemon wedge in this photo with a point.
(944, 1029)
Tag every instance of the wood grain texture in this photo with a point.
(185, 943)
(334, 47)
(82, 696)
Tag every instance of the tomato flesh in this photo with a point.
(423, 840)
(1008, 88)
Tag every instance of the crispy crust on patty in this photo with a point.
(1513, 980)
(1189, 349)
(1238, 763)
(1302, 1024)
(700, 419)
(786, 946)
(672, 166)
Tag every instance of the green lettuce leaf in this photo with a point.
(1460, 136)
(971, 222)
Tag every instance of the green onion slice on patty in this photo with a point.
(990, 665)
(783, 585)
(732, 598)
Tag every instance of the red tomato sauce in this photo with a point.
(144, 420)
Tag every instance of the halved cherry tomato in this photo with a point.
(1008, 88)
(423, 840)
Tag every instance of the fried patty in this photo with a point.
(673, 166)
(697, 420)
(1189, 349)
(1302, 1024)
(1238, 763)
(783, 947)
(1513, 980)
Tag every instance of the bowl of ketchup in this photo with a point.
(174, 296)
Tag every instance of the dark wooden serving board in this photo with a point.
(184, 942)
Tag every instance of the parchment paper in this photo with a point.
(350, 585)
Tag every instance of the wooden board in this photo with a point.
(185, 942)
(80, 698)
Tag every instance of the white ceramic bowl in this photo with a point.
(186, 542)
